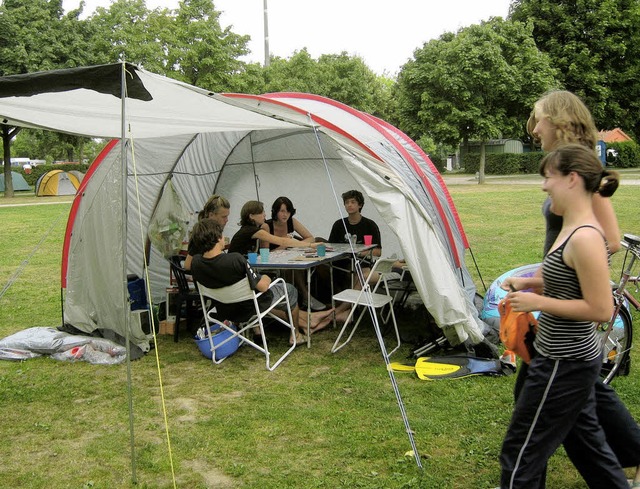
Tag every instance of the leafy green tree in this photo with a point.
(52, 146)
(200, 51)
(36, 36)
(477, 84)
(250, 79)
(341, 77)
(128, 31)
(349, 80)
(596, 47)
(187, 44)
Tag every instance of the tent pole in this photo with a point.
(256, 178)
(127, 315)
(376, 325)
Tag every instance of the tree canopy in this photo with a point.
(187, 44)
(479, 83)
(595, 45)
(341, 77)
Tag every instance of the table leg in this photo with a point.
(333, 302)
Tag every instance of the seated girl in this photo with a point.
(251, 233)
(284, 225)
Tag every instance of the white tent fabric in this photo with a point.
(309, 149)
(175, 109)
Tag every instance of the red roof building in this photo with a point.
(616, 135)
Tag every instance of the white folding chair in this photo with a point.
(238, 292)
(370, 299)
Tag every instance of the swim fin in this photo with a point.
(450, 367)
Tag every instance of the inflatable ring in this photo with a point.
(489, 313)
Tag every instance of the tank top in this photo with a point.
(271, 230)
(558, 337)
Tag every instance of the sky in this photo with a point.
(384, 33)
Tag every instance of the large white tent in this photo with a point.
(244, 147)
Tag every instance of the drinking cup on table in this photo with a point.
(253, 258)
(353, 239)
(368, 239)
(264, 255)
(321, 249)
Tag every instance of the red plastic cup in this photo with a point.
(368, 239)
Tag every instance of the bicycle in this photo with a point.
(617, 333)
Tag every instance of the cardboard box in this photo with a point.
(168, 325)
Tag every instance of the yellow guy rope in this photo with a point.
(152, 318)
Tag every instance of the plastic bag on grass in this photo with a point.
(37, 341)
(89, 353)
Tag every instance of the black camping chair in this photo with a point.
(186, 295)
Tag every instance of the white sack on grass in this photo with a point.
(33, 342)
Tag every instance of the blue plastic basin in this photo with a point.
(229, 348)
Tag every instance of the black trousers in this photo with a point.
(620, 428)
(557, 401)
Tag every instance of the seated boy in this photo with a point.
(354, 224)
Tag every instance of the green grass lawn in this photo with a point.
(318, 421)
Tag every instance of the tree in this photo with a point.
(187, 44)
(477, 84)
(8, 133)
(35, 36)
(52, 146)
(200, 51)
(128, 31)
(596, 47)
(341, 77)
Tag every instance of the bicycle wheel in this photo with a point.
(616, 359)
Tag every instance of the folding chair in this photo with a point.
(370, 300)
(238, 292)
(186, 295)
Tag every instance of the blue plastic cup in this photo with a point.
(321, 249)
(253, 258)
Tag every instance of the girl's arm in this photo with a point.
(265, 228)
(187, 263)
(304, 233)
(606, 216)
(522, 283)
(266, 237)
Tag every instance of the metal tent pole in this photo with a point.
(376, 325)
(127, 315)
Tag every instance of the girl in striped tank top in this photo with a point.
(557, 401)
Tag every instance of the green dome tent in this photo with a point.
(19, 183)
